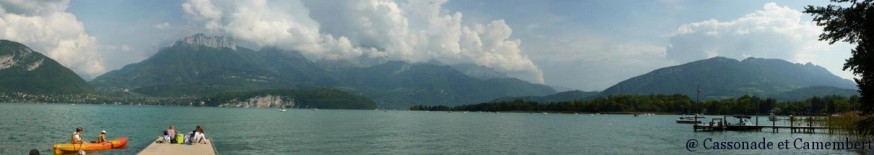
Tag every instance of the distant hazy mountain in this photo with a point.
(208, 65)
(27, 71)
(428, 84)
(480, 72)
(573, 95)
(721, 77)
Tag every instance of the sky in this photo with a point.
(584, 45)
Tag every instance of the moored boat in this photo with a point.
(112, 144)
(690, 119)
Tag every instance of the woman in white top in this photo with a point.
(198, 137)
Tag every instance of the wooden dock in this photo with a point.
(775, 129)
(180, 149)
(793, 128)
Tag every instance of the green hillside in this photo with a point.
(26, 71)
(721, 77)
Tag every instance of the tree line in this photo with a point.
(677, 104)
(851, 22)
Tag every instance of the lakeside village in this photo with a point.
(96, 98)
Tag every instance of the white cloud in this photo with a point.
(414, 31)
(773, 32)
(46, 27)
(33, 7)
(204, 11)
(164, 25)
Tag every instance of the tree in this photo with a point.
(850, 23)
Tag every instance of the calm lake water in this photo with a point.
(268, 131)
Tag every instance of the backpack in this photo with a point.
(180, 138)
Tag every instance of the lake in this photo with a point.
(303, 131)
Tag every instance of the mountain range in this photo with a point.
(27, 71)
(208, 65)
(202, 65)
(199, 65)
(721, 77)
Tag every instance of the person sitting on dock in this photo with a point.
(75, 138)
(170, 134)
(165, 139)
(197, 137)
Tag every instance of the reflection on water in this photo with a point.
(268, 131)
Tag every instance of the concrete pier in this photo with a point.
(180, 149)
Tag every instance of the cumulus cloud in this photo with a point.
(33, 7)
(46, 27)
(773, 32)
(415, 31)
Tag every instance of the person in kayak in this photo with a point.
(76, 138)
(101, 138)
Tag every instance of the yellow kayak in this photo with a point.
(113, 144)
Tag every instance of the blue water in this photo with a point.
(298, 131)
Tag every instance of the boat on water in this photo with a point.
(113, 144)
(716, 124)
(690, 119)
(282, 107)
(774, 117)
(744, 121)
(721, 124)
(744, 124)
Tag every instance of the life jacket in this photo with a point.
(101, 138)
(73, 138)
